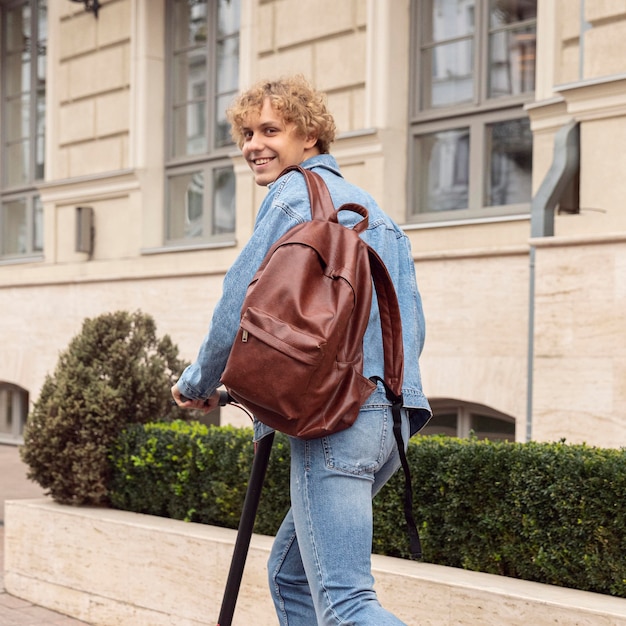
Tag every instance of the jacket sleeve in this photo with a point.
(202, 377)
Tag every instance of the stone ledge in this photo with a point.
(115, 568)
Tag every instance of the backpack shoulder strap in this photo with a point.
(390, 321)
(322, 207)
(391, 324)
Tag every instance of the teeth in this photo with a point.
(261, 161)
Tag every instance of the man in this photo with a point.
(320, 565)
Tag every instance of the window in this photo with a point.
(203, 77)
(460, 419)
(22, 126)
(13, 412)
(473, 69)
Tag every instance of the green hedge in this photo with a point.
(551, 513)
(197, 473)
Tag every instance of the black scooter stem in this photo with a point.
(244, 532)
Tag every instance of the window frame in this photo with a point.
(476, 115)
(26, 190)
(465, 413)
(215, 157)
(19, 398)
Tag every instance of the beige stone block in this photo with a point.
(620, 382)
(114, 22)
(576, 313)
(601, 43)
(62, 83)
(62, 163)
(568, 20)
(265, 27)
(567, 69)
(476, 312)
(113, 113)
(65, 232)
(77, 35)
(580, 328)
(77, 121)
(307, 20)
(100, 71)
(602, 185)
(604, 9)
(93, 157)
(341, 61)
(348, 108)
(298, 60)
(361, 13)
(340, 105)
(359, 104)
(118, 229)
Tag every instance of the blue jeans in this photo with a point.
(320, 564)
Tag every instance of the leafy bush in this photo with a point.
(114, 372)
(196, 473)
(546, 512)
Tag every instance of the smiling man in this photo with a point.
(320, 565)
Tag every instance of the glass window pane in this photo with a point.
(443, 170)
(18, 28)
(509, 152)
(444, 20)
(190, 23)
(186, 206)
(189, 125)
(512, 62)
(17, 115)
(6, 413)
(189, 76)
(228, 65)
(492, 428)
(38, 225)
(16, 75)
(14, 227)
(224, 200)
(40, 139)
(222, 127)
(42, 46)
(448, 74)
(16, 169)
(502, 12)
(189, 120)
(228, 20)
(441, 424)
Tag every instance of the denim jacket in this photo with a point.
(287, 204)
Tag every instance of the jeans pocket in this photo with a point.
(363, 448)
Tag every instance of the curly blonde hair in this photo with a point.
(297, 101)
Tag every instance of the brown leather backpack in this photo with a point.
(297, 360)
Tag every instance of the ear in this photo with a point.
(310, 141)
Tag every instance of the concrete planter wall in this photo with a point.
(110, 567)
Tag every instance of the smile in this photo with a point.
(261, 161)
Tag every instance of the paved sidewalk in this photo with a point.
(15, 485)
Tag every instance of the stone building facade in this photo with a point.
(120, 189)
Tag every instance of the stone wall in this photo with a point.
(114, 568)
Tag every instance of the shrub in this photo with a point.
(196, 473)
(114, 372)
(545, 512)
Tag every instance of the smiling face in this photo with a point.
(270, 144)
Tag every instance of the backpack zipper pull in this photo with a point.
(244, 336)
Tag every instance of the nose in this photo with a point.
(254, 143)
